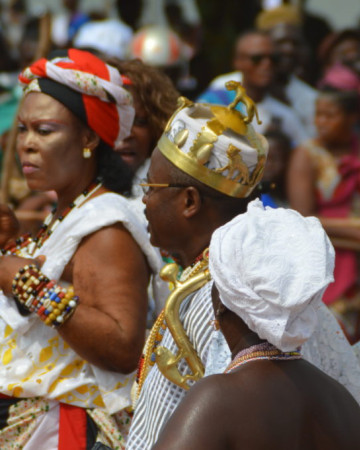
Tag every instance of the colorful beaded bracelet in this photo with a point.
(51, 302)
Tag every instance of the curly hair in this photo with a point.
(153, 88)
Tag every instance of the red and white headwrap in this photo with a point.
(88, 87)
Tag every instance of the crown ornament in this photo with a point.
(217, 144)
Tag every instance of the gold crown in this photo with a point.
(269, 18)
(243, 167)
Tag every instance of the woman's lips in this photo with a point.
(127, 156)
(29, 168)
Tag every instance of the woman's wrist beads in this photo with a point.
(51, 302)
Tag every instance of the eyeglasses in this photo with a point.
(257, 58)
(147, 186)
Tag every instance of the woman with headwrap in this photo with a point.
(155, 100)
(72, 332)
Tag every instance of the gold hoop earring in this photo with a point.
(86, 153)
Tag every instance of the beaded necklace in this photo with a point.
(264, 350)
(148, 358)
(200, 263)
(45, 231)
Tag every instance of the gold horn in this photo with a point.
(165, 359)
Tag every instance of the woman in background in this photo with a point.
(324, 180)
(155, 100)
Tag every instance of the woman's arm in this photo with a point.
(301, 183)
(110, 275)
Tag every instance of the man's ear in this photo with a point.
(192, 202)
(91, 140)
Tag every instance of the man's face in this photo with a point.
(255, 58)
(161, 206)
(288, 44)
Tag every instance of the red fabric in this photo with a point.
(102, 119)
(80, 60)
(72, 428)
(87, 62)
(346, 270)
(4, 396)
(137, 44)
(101, 116)
(174, 49)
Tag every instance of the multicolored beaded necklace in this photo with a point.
(200, 263)
(147, 359)
(264, 350)
(31, 244)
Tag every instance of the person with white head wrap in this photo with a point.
(271, 267)
(203, 173)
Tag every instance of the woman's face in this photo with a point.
(137, 147)
(346, 52)
(332, 123)
(49, 143)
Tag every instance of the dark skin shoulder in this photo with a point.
(264, 405)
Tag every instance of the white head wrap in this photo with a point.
(271, 267)
(111, 37)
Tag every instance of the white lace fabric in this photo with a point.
(327, 349)
(271, 267)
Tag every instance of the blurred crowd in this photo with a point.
(303, 76)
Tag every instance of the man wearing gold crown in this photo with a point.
(202, 174)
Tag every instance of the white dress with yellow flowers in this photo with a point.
(35, 360)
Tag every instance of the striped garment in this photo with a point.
(159, 396)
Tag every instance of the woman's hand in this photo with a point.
(9, 225)
(10, 265)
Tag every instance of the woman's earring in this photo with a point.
(86, 153)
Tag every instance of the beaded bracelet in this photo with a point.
(51, 302)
